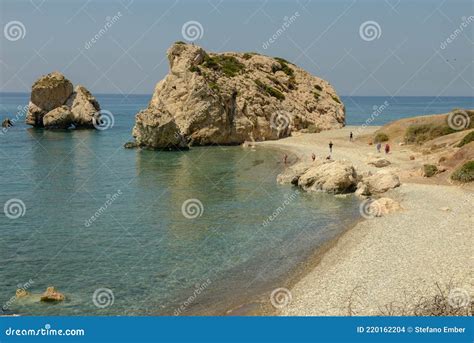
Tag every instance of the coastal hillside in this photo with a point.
(228, 98)
(445, 142)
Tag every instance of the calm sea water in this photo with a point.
(106, 220)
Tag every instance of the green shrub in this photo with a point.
(269, 90)
(248, 55)
(381, 137)
(419, 133)
(318, 87)
(195, 69)
(429, 170)
(228, 65)
(465, 173)
(180, 42)
(283, 66)
(313, 129)
(276, 82)
(336, 99)
(214, 86)
(467, 139)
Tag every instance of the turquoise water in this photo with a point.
(141, 246)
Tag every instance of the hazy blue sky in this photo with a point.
(405, 58)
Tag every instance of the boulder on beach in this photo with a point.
(380, 182)
(55, 104)
(379, 162)
(331, 177)
(52, 295)
(229, 98)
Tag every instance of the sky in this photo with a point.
(363, 48)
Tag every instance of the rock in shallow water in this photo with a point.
(52, 295)
(55, 104)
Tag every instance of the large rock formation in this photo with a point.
(229, 98)
(55, 104)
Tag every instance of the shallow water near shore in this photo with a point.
(98, 216)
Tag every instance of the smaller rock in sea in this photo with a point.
(7, 123)
(21, 293)
(130, 145)
(52, 295)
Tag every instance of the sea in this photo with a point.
(136, 232)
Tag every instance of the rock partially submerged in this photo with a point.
(55, 104)
(6, 123)
(52, 295)
(229, 98)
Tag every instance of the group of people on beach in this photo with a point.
(351, 139)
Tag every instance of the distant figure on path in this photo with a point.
(379, 146)
(330, 147)
(351, 136)
(387, 148)
(313, 156)
(285, 158)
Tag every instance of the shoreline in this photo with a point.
(344, 276)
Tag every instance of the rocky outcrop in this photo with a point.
(229, 98)
(291, 174)
(54, 104)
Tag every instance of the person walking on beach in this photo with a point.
(379, 146)
(313, 156)
(330, 147)
(387, 148)
(285, 158)
(351, 136)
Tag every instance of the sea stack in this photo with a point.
(228, 98)
(56, 104)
